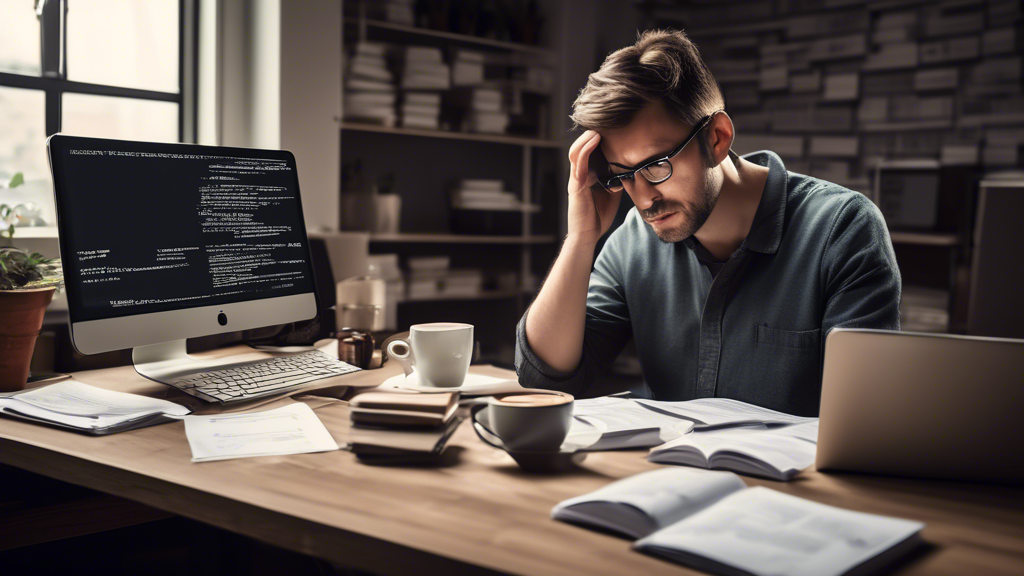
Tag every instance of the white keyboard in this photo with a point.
(262, 378)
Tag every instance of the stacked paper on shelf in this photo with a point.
(421, 110)
(924, 310)
(486, 195)
(535, 79)
(950, 50)
(425, 273)
(936, 79)
(424, 69)
(467, 68)
(960, 154)
(369, 91)
(842, 86)
(890, 56)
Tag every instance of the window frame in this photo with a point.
(53, 81)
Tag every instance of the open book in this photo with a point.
(88, 409)
(776, 453)
(712, 522)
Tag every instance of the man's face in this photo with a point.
(676, 208)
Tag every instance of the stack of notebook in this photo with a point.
(402, 428)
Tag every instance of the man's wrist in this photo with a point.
(577, 243)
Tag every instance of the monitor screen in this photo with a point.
(156, 227)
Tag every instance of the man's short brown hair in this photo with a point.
(663, 65)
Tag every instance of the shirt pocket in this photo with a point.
(794, 339)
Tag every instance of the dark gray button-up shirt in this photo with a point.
(817, 256)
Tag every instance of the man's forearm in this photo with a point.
(557, 318)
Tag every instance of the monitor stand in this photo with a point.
(169, 361)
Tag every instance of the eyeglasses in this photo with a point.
(654, 171)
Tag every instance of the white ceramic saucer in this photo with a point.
(474, 384)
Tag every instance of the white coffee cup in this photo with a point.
(438, 353)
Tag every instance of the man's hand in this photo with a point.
(590, 212)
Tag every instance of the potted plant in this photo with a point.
(27, 284)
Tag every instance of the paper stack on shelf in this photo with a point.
(369, 90)
(486, 195)
(425, 274)
(924, 310)
(484, 110)
(431, 277)
(467, 68)
(423, 68)
(421, 110)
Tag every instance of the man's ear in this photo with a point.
(720, 135)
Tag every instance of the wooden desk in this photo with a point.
(480, 513)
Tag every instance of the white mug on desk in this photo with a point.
(438, 353)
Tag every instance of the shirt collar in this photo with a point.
(766, 231)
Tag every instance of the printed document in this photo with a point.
(294, 429)
(614, 423)
(708, 412)
(79, 406)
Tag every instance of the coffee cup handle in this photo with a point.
(406, 358)
(473, 420)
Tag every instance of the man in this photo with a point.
(728, 273)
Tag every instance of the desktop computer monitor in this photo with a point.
(163, 242)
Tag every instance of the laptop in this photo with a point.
(922, 405)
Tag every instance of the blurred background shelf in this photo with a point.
(460, 239)
(450, 36)
(925, 239)
(467, 136)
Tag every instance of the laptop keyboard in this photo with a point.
(263, 378)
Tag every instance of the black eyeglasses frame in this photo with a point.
(608, 181)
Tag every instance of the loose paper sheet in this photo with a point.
(294, 429)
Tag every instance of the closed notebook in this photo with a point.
(396, 409)
(711, 521)
(401, 442)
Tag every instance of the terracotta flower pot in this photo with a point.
(21, 318)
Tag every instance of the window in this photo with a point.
(106, 68)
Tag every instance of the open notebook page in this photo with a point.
(641, 504)
(778, 453)
(765, 532)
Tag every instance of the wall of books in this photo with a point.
(835, 86)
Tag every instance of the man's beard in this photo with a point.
(694, 214)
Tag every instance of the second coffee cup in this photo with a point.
(438, 353)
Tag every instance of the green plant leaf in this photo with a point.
(17, 180)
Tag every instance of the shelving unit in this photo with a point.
(369, 23)
(459, 239)
(890, 114)
(427, 162)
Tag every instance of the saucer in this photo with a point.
(474, 384)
